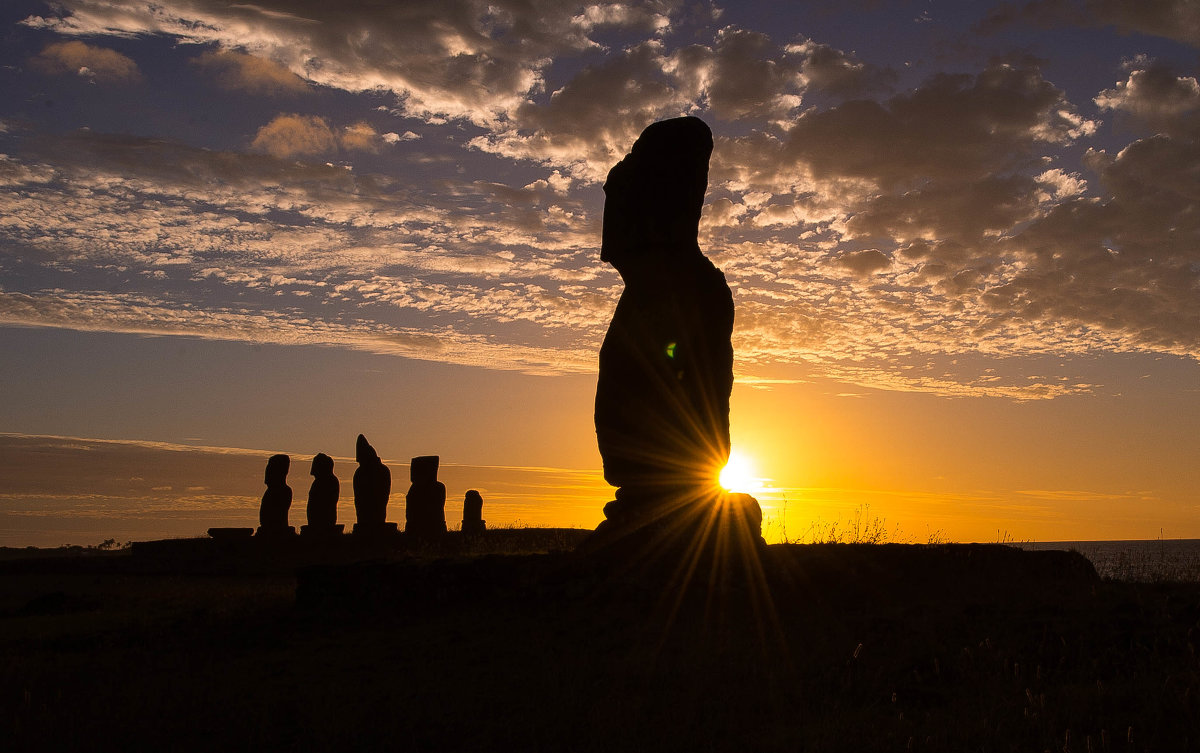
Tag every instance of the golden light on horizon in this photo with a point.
(738, 475)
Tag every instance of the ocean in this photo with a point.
(1155, 560)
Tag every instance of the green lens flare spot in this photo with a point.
(670, 350)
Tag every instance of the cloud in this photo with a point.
(469, 59)
(743, 75)
(1056, 185)
(868, 235)
(832, 70)
(247, 243)
(1172, 19)
(1153, 94)
(95, 63)
(249, 73)
(589, 123)
(485, 62)
(107, 312)
(628, 16)
(256, 248)
(361, 137)
(865, 263)
(977, 243)
(291, 135)
(951, 127)
(1127, 265)
(953, 214)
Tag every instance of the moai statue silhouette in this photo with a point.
(425, 502)
(473, 522)
(277, 499)
(666, 365)
(322, 498)
(372, 487)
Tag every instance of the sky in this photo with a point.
(963, 240)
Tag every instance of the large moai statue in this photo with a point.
(425, 502)
(322, 498)
(277, 499)
(372, 487)
(666, 365)
(473, 522)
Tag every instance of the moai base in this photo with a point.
(231, 534)
(322, 532)
(375, 531)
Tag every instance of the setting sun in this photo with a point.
(738, 475)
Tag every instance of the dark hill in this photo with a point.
(823, 647)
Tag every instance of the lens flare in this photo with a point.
(738, 475)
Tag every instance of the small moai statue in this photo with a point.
(322, 498)
(473, 522)
(372, 487)
(425, 502)
(277, 500)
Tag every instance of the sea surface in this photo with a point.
(1149, 561)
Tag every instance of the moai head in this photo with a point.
(653, 197)
(277, 470)
(322, 465)
(364, 453)
(423, 468)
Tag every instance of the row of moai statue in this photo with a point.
(424, 503)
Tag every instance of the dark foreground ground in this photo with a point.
(832, 647)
